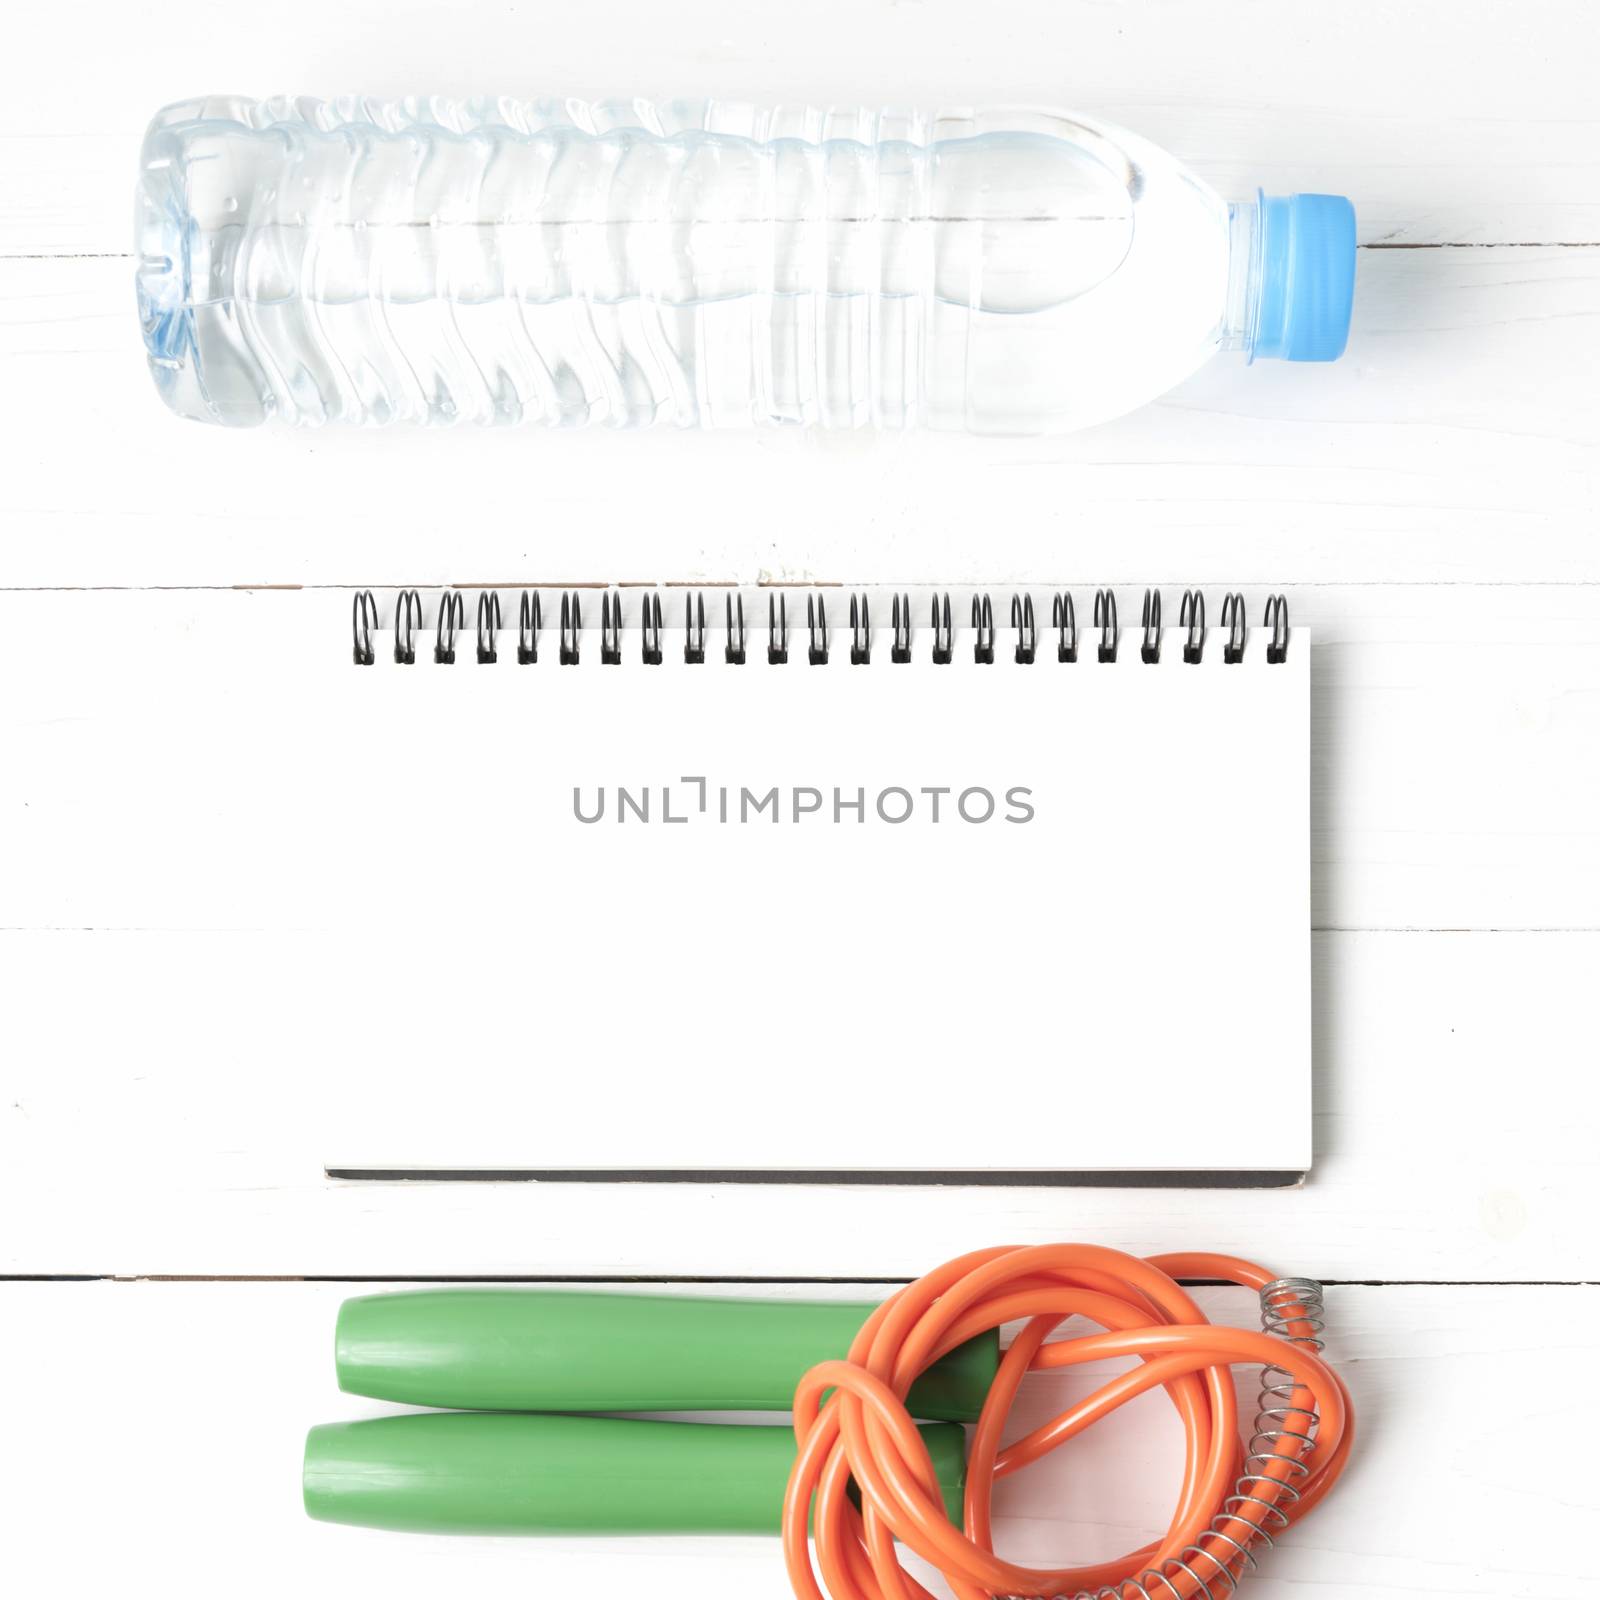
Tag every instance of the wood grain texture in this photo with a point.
(164, 1426)
(1431, 504)
(1467, 122)
(1457, 441)
(1453, 1141)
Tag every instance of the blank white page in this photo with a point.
(998, 921)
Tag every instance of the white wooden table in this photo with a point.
(1429, 505)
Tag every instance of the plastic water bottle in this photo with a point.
(703, 265)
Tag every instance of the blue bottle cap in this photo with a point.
(1308, 277)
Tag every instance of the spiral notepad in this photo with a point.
(674, 882)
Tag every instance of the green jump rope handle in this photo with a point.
(501, 1472)
(553, 1350)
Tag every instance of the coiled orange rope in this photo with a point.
(1234, 1491)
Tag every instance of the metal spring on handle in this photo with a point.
(1286, 1304)
(1292, 1310)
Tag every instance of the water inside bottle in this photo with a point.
(1015, 277)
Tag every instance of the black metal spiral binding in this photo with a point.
(488, 628)
(944, 636)
(1233, 621)
(571, 630)
(649, 629)
(777, 630)
(530, 620)
(1276, 622)
(407, 620)
(611, 630)
(1150, 621)
(982, 631)
(900, 650)
(451, 620)
(1027, 633)
(817, 628)
(1105, 619)
(363, 622)
(1192, 616)
(694, 630)
(1064, 619)
(860, 634)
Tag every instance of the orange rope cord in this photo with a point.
(862, 1432)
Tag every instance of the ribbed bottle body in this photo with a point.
(704, 264)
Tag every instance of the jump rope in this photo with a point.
(858, 1480)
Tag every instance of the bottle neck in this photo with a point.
(1241, 313)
